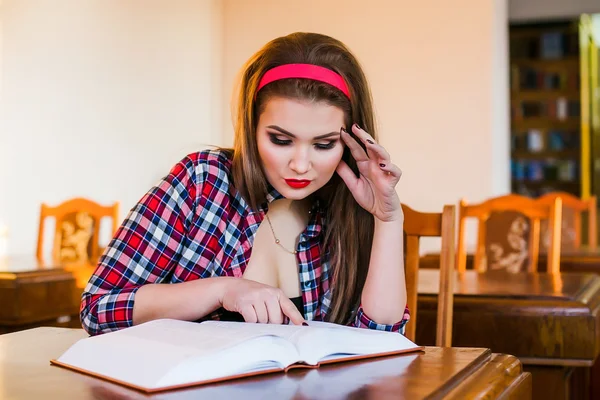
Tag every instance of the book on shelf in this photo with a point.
(169, 354)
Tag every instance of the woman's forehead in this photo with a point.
(301, 115)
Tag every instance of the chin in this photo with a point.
(296, 194)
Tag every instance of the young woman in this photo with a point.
(299, 221)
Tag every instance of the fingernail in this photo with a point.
(370, 141)
(342, 130)
(382, 165)
(304, 324)
(356, 125)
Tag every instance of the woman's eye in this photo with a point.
(275, 140)
(326, 146)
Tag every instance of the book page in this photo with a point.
(322, 341)
(288, 332)
(145, 354)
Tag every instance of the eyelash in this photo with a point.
(319, 146)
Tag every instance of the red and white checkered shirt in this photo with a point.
(195, 224)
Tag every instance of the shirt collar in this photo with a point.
(317, 214)
(316, 220)
(272, 194)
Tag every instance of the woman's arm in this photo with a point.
(145, 250)
(255, 301)
(384, 294)
(179, 300)
(383, 299)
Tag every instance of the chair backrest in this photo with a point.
(417, 225)
(77, 230)
(521, 234)
(573, 208)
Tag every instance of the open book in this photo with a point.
(167, 354)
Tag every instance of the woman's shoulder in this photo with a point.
(218, 157)
(208, 163)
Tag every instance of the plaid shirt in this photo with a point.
(194, 224)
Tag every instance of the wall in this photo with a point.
(99, 98)
(439, 76)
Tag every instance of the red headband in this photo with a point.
(306, 71)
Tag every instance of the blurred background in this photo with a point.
(474, 99)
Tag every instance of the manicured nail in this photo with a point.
(356, 125)
(370, 141)
(343, 130)
(382, 165)
(304, 324)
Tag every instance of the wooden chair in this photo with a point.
(571, 227)
(519, 208)
(76, 233)
(417, 225)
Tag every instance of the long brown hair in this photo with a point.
(349, 228)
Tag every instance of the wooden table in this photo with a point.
(435, 373)
(34, 293)
(550, 322)
(571, 260)
(577, 260)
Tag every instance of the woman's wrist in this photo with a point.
(396, 219)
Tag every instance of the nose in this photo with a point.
(300, 162)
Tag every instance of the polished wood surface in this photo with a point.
(516, 286)
(35, 293)
(551, 322)
(417, 225)
(535, 210)
(584, 259)
(436, 373)
(556, 316)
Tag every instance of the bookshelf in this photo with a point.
(545, 97)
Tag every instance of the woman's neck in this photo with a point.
(296, 207)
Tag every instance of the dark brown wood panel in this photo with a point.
(550, 322)
(36, 294)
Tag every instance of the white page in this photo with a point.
(319, 340)
(288, 332)
(144, 354)
(323, 341)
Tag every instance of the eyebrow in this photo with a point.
(284, 132)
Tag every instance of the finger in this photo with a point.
(290, 310)
(373, 148)
(379, 151)
(249, 314)
(362, 134)
(261, 313)
(347, 175)
(274, 311)
(391, 169)
(356, 150)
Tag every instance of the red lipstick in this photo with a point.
(297, 183)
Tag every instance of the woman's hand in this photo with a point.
(375, 188)
(257, 302)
